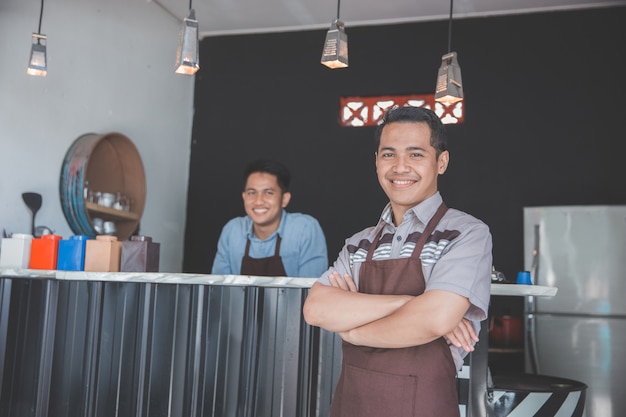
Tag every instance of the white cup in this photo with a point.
(109, 228)
(107, 199)
(98, 225)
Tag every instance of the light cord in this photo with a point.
(450, 27)
(40, 17)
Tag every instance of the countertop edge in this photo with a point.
(234, 280)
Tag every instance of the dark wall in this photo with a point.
(543, 123)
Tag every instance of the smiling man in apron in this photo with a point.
(269, 241)
(399, 291)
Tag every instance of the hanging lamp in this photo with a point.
(188, 55)
(38, 64)
(335, 52)
(449, 89)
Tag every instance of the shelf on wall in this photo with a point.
(111, 212)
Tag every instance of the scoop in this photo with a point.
(33, 202)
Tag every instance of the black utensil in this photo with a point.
(33, 202)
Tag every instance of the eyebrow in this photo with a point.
(260, 189)
(408, 148)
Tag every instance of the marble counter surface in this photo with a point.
(523, 290)
(162, 278)
(238, 280)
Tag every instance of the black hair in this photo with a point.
(268, 166)
(410, 114)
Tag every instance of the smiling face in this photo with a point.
(263, 201)
(407, 165)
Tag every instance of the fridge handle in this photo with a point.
(534, 267)
(531, 331)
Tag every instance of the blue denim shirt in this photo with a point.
(302, 249)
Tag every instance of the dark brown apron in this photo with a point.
(271, 266)
(406, 382)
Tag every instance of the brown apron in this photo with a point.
(271, 266)
(405, 382)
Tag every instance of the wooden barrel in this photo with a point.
(102, 163)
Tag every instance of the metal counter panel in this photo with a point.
(98, 348)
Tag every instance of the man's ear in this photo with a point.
(442, 162)
(286, 198)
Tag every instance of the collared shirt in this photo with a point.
(302, 248)
(456, 257)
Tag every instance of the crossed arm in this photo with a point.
(388, 321)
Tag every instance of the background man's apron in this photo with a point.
(271, 266)
(406, 382)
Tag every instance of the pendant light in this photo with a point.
(188, 57)
(449, 89)
(335, 52)
(37, 65)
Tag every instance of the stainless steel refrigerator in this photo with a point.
(580, 333)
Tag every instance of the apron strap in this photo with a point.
(430, 227)
(247, 252)
(277, 249)
(370, 251)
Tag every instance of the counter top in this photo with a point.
(161, 278)
(237, 280)
(523, 290)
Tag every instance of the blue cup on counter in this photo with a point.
(523, 277)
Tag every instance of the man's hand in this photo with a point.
(346, 283)
(463, 336)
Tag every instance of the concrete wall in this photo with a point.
(110, 69)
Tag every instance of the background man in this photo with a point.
(269, 241)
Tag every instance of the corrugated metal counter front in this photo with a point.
(152, 344)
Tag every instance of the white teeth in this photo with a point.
(402, 182)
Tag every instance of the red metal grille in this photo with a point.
(367, 111)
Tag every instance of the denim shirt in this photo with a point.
(302, 249)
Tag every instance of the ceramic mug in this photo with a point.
(109, 228)
(523, 277)
(98, 225)
(106, 199)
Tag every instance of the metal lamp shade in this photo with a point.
(335, 53)
(449, 84)
(37, 65)
(188, 57)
